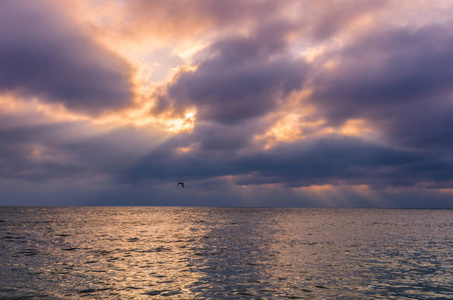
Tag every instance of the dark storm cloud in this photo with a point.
(244, 78)
(400, 79)
(168, 163)
(328, 160)
(32, 153)
(343, 160)
(43, 54)
(226, 138)
(69, 151)
(209, 151)
(426, 125)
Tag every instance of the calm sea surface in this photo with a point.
(225, 253)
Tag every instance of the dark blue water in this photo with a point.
(225, 253)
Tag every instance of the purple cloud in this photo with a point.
(399, 80)
(244, 78)
(43, 54)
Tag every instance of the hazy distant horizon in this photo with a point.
(208, 204)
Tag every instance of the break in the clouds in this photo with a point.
(263, 103)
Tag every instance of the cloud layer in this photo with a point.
(43, 55)
(244, 77)
(326, 103)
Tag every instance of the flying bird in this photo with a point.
(181, 183)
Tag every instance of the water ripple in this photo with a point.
(229, 253)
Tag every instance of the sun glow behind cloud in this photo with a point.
(334, 101)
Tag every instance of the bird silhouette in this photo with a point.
(181, 183)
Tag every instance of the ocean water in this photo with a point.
(225, 253)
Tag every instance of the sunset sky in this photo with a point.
(330, 103)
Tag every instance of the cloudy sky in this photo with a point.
(335, 103)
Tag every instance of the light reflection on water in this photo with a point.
(212, 253)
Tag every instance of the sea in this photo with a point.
(225, 253)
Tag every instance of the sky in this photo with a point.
(327, 103)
